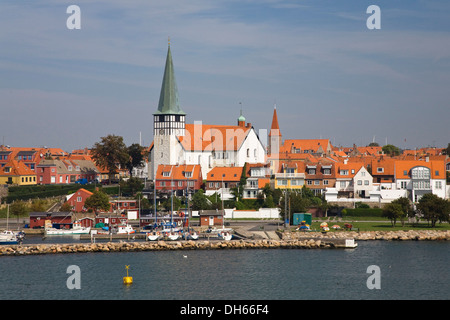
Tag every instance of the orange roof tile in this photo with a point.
(225, 173)
(16, 168)
(177, 172)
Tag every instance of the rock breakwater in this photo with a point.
(156, 246)
(372, 235)
(288, 240)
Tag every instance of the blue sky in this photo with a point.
(329, 75)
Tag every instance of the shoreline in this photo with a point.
(288, 240)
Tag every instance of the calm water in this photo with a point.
(409, 270)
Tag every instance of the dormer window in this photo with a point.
(188, 174)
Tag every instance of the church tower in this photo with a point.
(169, 121)
(274, 135)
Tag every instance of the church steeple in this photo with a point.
(168, 98)
(274, 134)
(169, 119)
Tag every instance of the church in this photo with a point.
(176, 142)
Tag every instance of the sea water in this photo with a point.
(407, 270)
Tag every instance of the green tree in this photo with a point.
(393, 211)
(98, 201)
(200, 201)
(133, 185)
(391, 150)
(111, 153)
(406, 208)
(137, 155)
(434, 208)
(19, 208)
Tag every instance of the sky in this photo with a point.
(328, 74)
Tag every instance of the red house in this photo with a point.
(77, 200)
(178, 178)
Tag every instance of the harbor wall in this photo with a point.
(288, 240)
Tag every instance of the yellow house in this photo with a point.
(291, 175)
(16, 172)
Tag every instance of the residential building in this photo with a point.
(77, 200)
(179, 178)
(258, 176)
(353, 179)
(290, 176)
(17, 173)
(221, 180)
(320, 175)
(421, 177)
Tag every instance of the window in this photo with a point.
(180, 183)
(344, 172)
(188, 174)
(79, 199)
(359, 182)
(248, 153)
(437, 172)
(162, 183)
(211, 184)
(190, 183)
(325, 182)
(363, 173)
(380, 170)
(366, 182)
(316, 182)
(312, 171)
(342, 184)
(282, 182)
(438, 185)
(166, 174)
(326, 171)
(309, 182)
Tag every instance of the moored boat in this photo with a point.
(11, 237)
(225, 235)
(154, 235)
(76, 229)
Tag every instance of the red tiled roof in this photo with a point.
(225, 173)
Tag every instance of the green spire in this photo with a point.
(168, 99)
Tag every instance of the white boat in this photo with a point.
(192, 235)
(154, 235)
(74, 230)
(11, 237)
(225, 235)
(172, 236)
(125, 229)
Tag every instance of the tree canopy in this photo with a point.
(111, 153)
(434, 208)
(98, 201)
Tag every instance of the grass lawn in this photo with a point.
(379, 224)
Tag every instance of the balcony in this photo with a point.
(289, 175)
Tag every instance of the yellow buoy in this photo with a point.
(127, 279)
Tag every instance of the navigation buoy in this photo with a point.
(127, 279)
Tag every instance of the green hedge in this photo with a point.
(42, 191)
(362, 212)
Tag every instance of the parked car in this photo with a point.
(82, 181)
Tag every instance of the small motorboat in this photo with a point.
(11, 237)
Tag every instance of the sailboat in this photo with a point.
(9, 236)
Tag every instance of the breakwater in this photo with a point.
(288, 240)
(371, 235)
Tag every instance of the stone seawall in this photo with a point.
(289, 240)
(371, 235)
